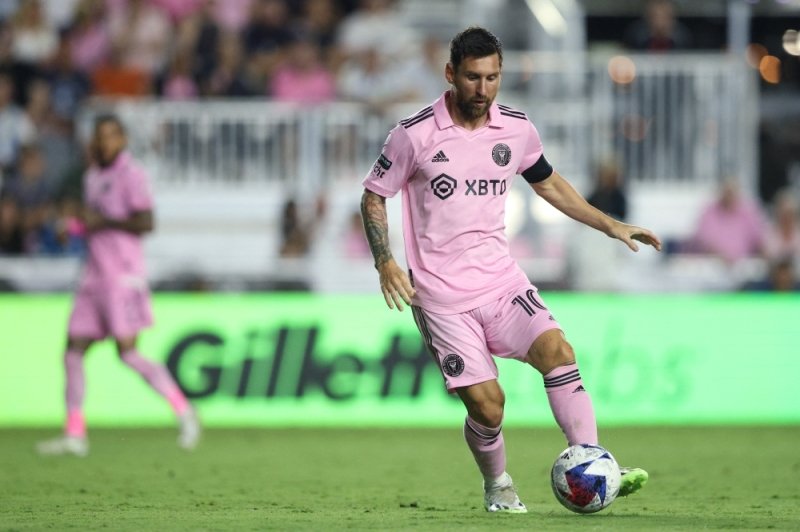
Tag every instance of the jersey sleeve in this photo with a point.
(395, 165)
(140, 198)
(534, 167)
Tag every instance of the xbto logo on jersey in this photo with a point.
(443, 186)
(501, 154)
(482, 187)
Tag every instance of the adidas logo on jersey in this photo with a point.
(440, 158)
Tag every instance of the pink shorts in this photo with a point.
(118, 310)
(463, 344)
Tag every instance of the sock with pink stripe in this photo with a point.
(158, 378)
(487, 447)
(74, 392)
(571, 405)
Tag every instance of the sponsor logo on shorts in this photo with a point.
(453, 365)
(501, 154)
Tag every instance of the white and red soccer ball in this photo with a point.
(585, 478)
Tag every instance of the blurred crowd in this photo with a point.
(733, 227)
(57, 54)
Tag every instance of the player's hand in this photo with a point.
(630, 233)
(395, 285)
(93, 220)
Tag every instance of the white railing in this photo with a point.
(682, 119)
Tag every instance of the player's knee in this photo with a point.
(78, 345)
(557, 354)
(125, 346)
(489, 412)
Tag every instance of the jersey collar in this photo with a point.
(444, 120)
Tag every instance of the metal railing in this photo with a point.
(673, 119)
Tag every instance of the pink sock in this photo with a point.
(74, 392)
(571, 405)
(158, 378)
(487, 447)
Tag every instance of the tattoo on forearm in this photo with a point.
(376, 226)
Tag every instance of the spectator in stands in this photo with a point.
(368, 79)
(179, 84)
(731, 227)
(302, 77)
(608, 194)
(35, 40)
(53, 136)
(29, 189)
(266, 37)
(27, 186)
(783, 236)
(68, 86)
(88, 37)
(659, 30)
(59, 13)
(140, 34)
(320, 23)
(62, 231)
(366, 29)
(781, 277)
(15, 128)
(297, 233)
(11, 237)
(21, 73)
(228, 78)
(426, 69)
(179, 10)
(199, 35)
(295, 238)
(355, 241)
(231, 15)
(115, 79)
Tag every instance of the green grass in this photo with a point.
(700, 478)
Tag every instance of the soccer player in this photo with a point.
(112, 299)
(454, 161)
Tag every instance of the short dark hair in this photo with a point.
(474, 42)
(109, 118)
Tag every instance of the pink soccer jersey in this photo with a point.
(455, 183)
(116, 192)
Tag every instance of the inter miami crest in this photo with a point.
(453, 365)
(501, 154)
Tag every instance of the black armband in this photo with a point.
(540, 171)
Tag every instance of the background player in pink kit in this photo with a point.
(454, 162)
(113, 299)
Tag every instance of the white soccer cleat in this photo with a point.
(64, 445)
(502, 497)
(188, 430)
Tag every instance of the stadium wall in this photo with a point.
(309, 360)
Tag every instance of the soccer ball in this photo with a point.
(585, 478)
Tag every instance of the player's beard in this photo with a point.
(470, 111)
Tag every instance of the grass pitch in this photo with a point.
(422, 479)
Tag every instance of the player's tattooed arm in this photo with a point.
(376, 226)
(395, 284)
